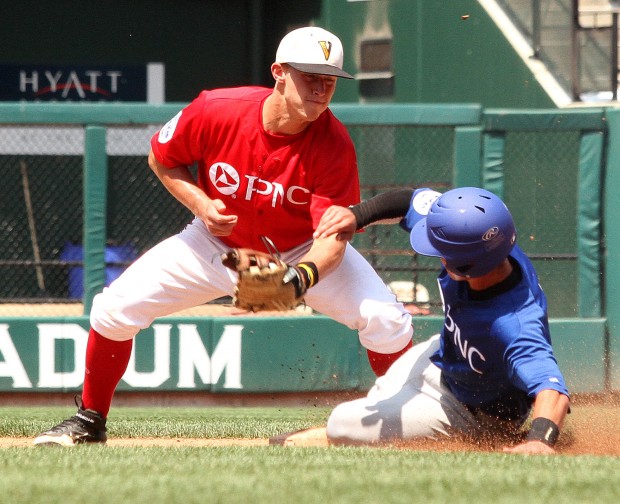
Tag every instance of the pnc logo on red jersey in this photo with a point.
(226, 180)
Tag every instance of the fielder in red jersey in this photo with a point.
(270, 162)
(280, 184)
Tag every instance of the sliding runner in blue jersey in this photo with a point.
(492, 366)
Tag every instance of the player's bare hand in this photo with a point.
(337, 220)
(530, 448)
(217, 221)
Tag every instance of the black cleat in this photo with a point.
(86, 426)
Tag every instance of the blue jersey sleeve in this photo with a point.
(531, 364)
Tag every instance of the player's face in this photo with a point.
(308, 95)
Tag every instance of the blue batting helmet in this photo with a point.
(471, 228)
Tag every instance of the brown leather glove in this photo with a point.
(265, 283)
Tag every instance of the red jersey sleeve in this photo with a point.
(180, 142)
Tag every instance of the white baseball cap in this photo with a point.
(312, 50)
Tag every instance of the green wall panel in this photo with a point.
(245, 354)
(295, 354)
(612, 242)
(437, 56)
(579, 346)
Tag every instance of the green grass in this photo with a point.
(274, 474)
(172, 422)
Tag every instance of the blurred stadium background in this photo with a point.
(520, 97)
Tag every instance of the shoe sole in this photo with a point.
(64, 440)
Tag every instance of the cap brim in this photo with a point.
(314, 68)
(420, 242)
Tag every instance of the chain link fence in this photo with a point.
(541, 189)
(41, 207)
(390, 157)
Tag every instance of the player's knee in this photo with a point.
(107, 318)
(339, 424)
(345, 426)
(388, 327)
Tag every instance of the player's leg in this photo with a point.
(178, 273)
(355, 296)
(181, 272)
(408, 402)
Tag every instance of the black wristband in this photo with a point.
(544, 430)
(310, 273)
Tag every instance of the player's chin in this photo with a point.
(313, 109)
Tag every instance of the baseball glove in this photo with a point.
(266, 283)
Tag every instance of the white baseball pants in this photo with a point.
(185, 271)
(409, 402)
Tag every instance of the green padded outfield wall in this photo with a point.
(241, 354)
(612, 255)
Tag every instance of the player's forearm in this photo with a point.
(551, 405)
(550, 409)
(326, 254)
(388, 205)
(181, 184)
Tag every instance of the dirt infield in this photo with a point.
(146, 442)
(592, 428)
